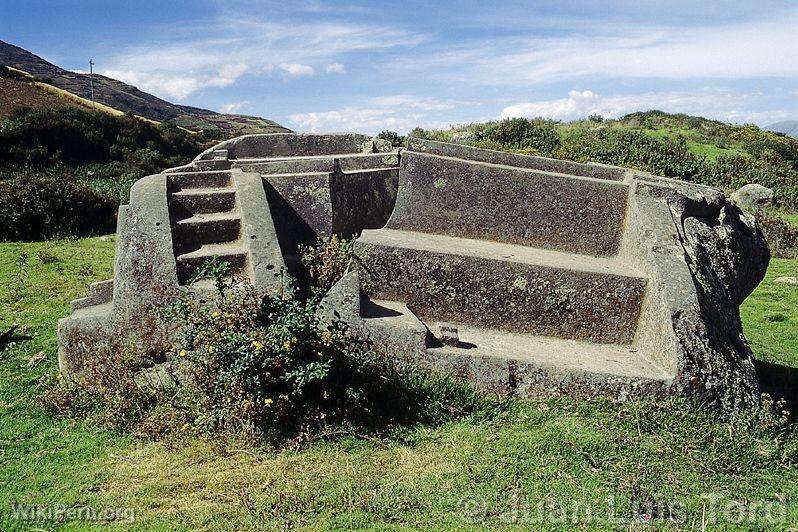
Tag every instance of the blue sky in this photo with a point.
(368, 66)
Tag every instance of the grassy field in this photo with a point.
(555, 464)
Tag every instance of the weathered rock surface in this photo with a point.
(752, 197)
(525, 275)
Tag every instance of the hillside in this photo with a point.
(15, 94)
(788, 127)
(129, 99)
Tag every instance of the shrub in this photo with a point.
(732, 172)
(781, 235)
(520, 133)
(91, 158)
(263, 366)
(34, 207)
(109, 392)
(393, 137)
(73, 136)
(327, 261)
(667, 157)
(437, 134)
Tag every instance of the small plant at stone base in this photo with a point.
(109, 392)
(217, 271)
(327, 262)
(20, 276)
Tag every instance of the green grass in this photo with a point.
(770, 316)
(585, 453)
(46, 460)
(790, 217)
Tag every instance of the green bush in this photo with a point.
(263, 366)
(393, 137)
(91, 159)
(634, 149)
(732, 172)
(521, 133)
(73, 136)
(327, 261)
(34, 207)
(781, 235)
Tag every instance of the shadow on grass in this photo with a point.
(781, 382)
(10, 336)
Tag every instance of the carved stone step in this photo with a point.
(213, 164)
(502, 286)
(100, 292)
(304, 165)
(523, 365)
(206, 229)
(487, 201)
(187, 180)
(193, 201)
(231, 252)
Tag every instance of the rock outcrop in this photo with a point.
(753, 197)
(525, 275)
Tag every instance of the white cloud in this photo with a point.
(235, 107)
(412, 102)
(335, 68)
(720, 104)
(176, 85)
(295, 70)
(179, 67)
(399, 113)
(732, 51)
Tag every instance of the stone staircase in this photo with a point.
(206, 221)
(525, 263)
(524, 275)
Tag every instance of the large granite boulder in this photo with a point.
(527, 276)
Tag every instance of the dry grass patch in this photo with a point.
(199, 480)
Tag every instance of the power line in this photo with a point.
(91, 81)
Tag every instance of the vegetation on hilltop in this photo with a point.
(64, 170)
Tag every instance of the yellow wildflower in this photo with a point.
(211, 349)
(268, 401)
(59, 376)
(182, 353)
(257, 345)
(326, 338)
(287, 346)
(320, 354)
(215, 314)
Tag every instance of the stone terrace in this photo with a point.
(525, 275)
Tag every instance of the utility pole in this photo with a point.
(91, 81)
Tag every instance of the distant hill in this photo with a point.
(15, 94)
(788, 127)
(126, 98)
